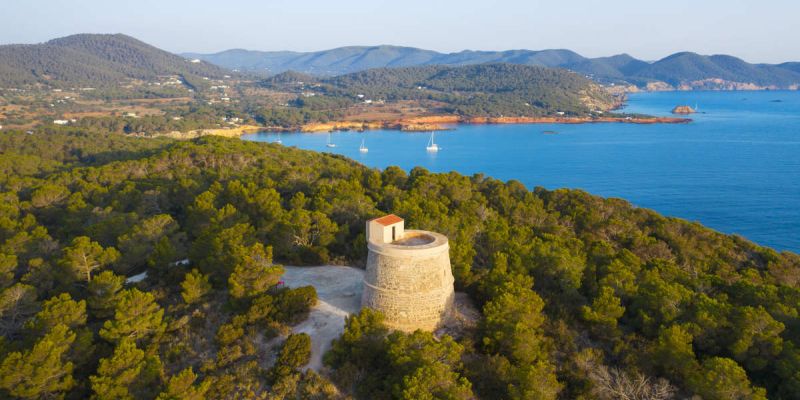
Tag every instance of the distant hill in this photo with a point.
(685, 70)
(792, 66)
(107, 60)
(345, 60)
(94, 60)
(610, 68)
(685, 67)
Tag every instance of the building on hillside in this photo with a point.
(408, 276)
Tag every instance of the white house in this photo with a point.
(385, 229)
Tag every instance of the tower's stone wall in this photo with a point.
(410, 281)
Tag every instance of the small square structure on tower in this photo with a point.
(386, 229)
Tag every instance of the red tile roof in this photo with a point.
(387, 220)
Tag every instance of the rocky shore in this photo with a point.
(410, 125)
(445, 122)
(417, 124)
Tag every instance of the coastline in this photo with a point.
(444, 122)
(414, 124)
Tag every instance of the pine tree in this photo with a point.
(40, 372)
(137, 316)
(8, 264)
(195, 285)
(17, 304)
(164, 252)
(605, 310)
(60, 309)
(295, 353)
(182, 387)
(126, 372)
(84, 256)
(105, 290)
(254, 273)
(722, 378)
(145, 242)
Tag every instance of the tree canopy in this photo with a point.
(580, 296)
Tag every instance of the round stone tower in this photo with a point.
(408, 275)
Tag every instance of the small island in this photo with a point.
(683, 110)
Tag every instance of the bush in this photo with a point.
(293, 305)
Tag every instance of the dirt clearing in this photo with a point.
(339, 295)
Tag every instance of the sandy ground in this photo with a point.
(339, 294)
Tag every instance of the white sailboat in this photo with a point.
(432, 146)
(362, 148)
(330, 142)
(279, 141)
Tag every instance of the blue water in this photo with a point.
(736, 168)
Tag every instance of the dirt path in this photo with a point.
(339, 294)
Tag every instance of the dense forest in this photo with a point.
(491, 90)
(581, 297)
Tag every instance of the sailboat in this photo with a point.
(432, 146)
(362, 148)
(279, 141)
(330, 143)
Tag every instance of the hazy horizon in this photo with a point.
(645, 31)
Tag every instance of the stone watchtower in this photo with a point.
(408, 275)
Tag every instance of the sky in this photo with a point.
(757, 31)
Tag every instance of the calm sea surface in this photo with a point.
(736, 168)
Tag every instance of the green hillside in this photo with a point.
(478, 90)
(94, 60)
(579, 295)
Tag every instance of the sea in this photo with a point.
(734, 168)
